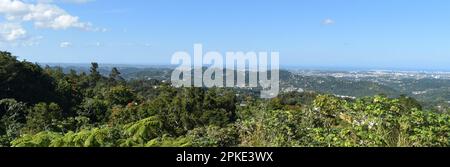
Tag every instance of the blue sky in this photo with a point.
(390, 34)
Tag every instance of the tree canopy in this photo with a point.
(45, 107)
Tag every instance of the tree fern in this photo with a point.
(144, 130)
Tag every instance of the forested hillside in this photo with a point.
(432, 93)
(47, 107)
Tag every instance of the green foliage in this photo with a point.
(327, 109)
(115, 78)
(214, 136)
(95, 75)
(369, 122)
(95, 109)
(188, 108)
(97, 137)
(273, 128)
(12, 119)
(380, 121)
(24, 81)
(166, 141)
(120, 95)
(51, 108)
(43, 117)
(42, 139)
(426, 129)
(139, 133)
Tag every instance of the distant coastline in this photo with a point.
(285, 67)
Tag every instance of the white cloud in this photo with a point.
(12, 32)
(43, 14)
(12, 7)
(65, 44)
(328, 21)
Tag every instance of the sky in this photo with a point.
(385, 34)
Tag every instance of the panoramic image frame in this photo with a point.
(186, 81)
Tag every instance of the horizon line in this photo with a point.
(284, 67)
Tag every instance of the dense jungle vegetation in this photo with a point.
(45, 107)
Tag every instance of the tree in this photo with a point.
(43, 117)
(125, 115)
(12, 119)
(24, 81)
(329, 108)
(141, 132)
(95, 109)
(49, 108)
(409, 103)
(94, 74)
(120, 95)
(115, 78)
(214, 136)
